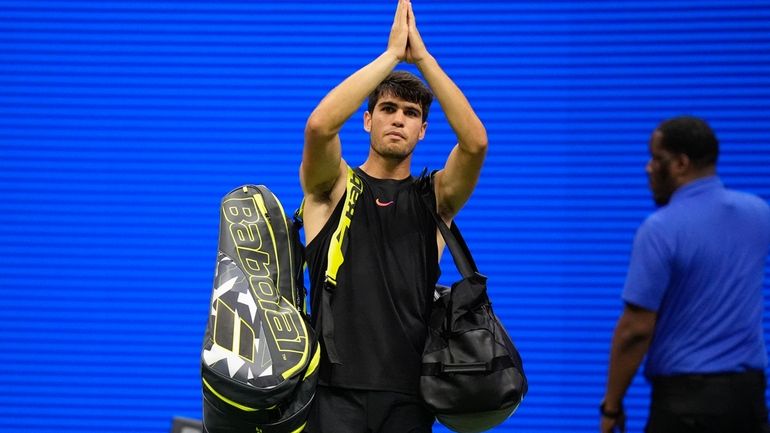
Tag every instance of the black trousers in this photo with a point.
(709, 403)
(340, 410)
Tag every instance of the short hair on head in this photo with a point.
(691, 136)
(406, 86)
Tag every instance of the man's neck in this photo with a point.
(381, 168)
(693, 175)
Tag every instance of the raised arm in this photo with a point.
(322, 165)
(456, 181)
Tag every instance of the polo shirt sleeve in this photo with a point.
(649, 271)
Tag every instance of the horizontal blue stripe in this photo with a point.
(122, 125)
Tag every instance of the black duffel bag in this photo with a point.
(472, 375)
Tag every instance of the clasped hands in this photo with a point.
(405, 41)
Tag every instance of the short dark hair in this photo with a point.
(406, 86)
(691, 136)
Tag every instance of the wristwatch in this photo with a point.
(608, 414)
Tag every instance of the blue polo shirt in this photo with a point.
(699, 262)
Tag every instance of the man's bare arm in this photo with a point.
(630, 342)
(456, 181)
(323, 170)
(322, 165)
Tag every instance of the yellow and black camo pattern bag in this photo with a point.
(260, 355)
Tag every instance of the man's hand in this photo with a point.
(399, 32)
(415, 47)
(613, 425)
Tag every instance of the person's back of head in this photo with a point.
(691, 136)
(403, 85)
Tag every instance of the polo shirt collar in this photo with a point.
(696, 187)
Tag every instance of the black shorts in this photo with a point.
(340, 410)
(709, 403)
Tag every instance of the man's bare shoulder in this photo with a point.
(319, 206)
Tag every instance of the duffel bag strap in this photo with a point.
(461, 254)
(335, 258)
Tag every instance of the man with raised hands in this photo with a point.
(370, 367)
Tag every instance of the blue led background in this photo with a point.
(123, 123)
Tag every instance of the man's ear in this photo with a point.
(681, 164)
(367, 121)
(423, 129)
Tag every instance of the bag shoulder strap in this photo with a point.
(461, 254)
(335, 258)
(338, 245)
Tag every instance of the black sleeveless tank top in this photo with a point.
(384, 286)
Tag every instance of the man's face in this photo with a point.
(395, 126)
(658, 168)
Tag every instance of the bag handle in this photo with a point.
(280, 230)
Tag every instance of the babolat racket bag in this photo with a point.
(472, 375)
(260, 355)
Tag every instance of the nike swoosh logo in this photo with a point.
(381, 204)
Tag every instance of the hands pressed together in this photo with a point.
(405, 41)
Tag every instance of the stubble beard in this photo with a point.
(393, 152)
(662, 188)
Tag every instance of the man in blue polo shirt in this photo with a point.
(693, 296)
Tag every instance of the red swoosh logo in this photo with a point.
(381, 204)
